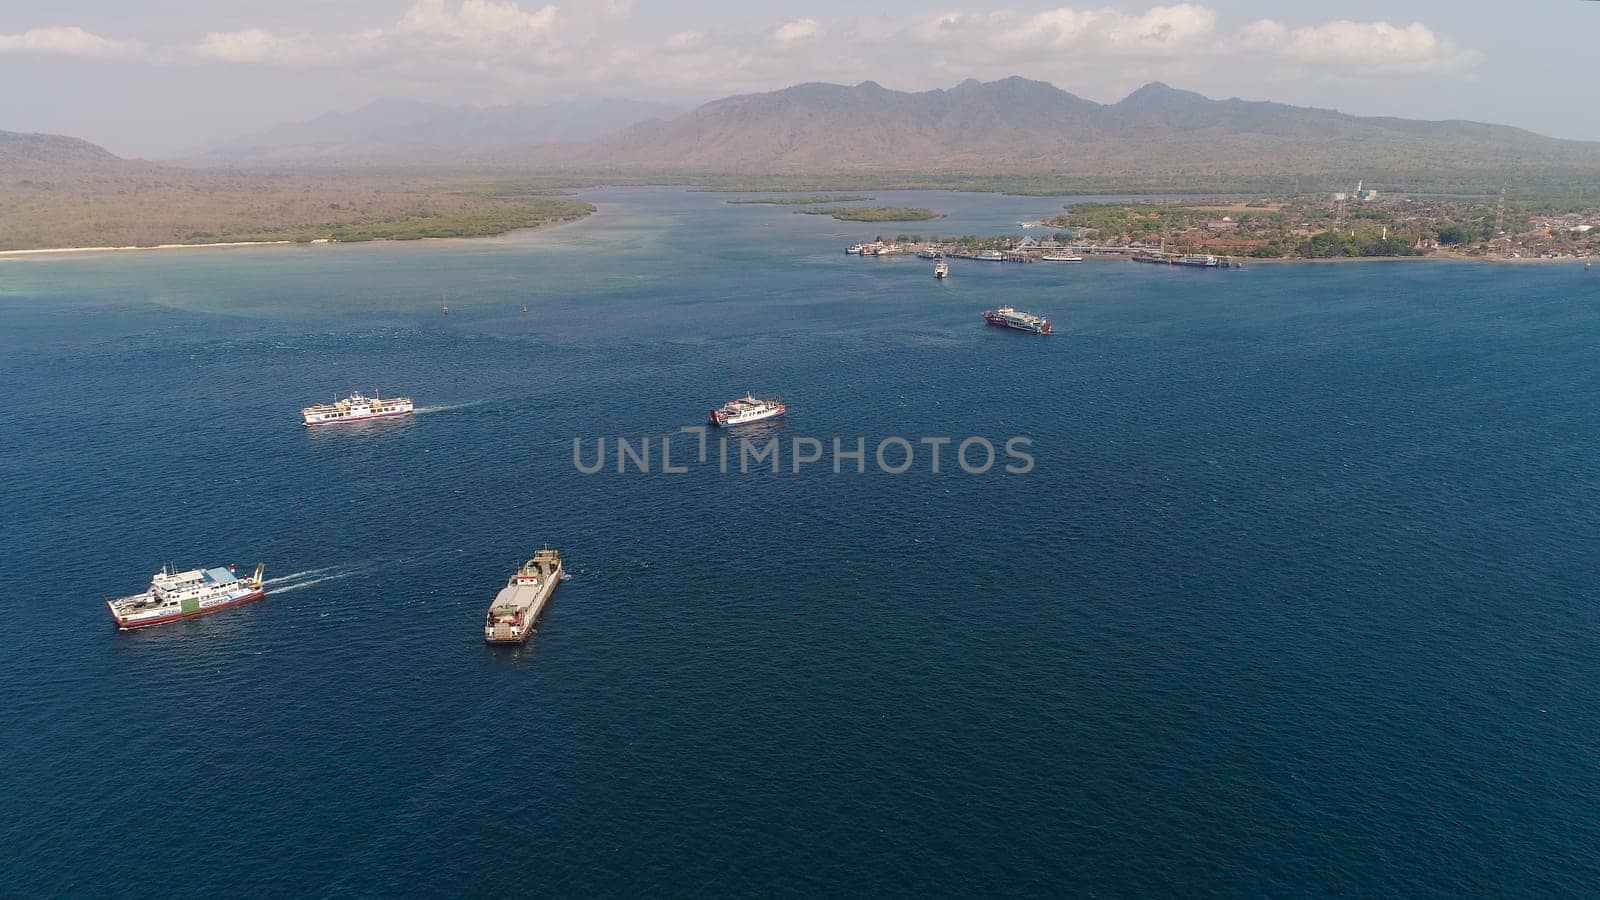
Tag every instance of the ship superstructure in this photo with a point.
(355, 408)
(1006, 317)
(747, 409)
(180, 595)
(517, 606)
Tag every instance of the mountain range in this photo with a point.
(414, 132)
(1019, 125)
(976, 133)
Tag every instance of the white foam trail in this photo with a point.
(305, 584)
(290, 577)
(446, 407)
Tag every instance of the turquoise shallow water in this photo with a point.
(1299, 598)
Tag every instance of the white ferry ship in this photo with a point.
(1061, 257)
(747, 409)
(517, 606)
(180, 595)
(1006, 317)
(355, 408)
(941, 270)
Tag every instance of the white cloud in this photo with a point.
(1161, 30)
(1378, 46)
(68, 40)
(479, 25)
(686, 42)
(257, 46)
(797, 30)
(480, 48)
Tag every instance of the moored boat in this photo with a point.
(355, 408)
(991, 256)
(1060, 257)
(1006, 317)
(181, 595)
(856, 248)
(516, 608)
(747, 409)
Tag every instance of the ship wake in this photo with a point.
(295, 576)
(290, 583)
(447, 407)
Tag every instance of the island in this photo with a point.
(800, 201)
(872, 213)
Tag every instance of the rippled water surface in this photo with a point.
(1301, 593)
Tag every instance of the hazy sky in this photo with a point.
(155, 77)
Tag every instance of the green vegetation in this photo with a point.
(800, 201)
(872, 213)
(497, 220)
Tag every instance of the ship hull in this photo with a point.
(1000, 322)
(534, 609)
(354, 419)
(759, 417)
(135, 624)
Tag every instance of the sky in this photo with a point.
(163, 78)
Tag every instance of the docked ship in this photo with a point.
(929, 253)
(747, 409)
(856, 249)
(991, 256)
(1150, 256)
(1061, 257)
(180, 595)
(517, 606)
(941, 270)
(1198, 260)
(1006, 317)
(355, 408)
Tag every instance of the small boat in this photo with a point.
(856, 249)
(1061, 257)
(446, 309)
(524, 307)
(941, 270)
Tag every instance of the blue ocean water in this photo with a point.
(1300, 596)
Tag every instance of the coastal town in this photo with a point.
(1362, 223)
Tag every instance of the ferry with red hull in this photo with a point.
(182, 595)
(747, 409)
(1006, 317)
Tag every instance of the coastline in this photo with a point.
(1438, 257)
(43, 251)
(51, 251)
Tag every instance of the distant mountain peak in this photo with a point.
(1158, 93)
(1017, 124)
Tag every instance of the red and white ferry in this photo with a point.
(355, 408)
(179, 595)
(747, 409)
(1006, 317)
